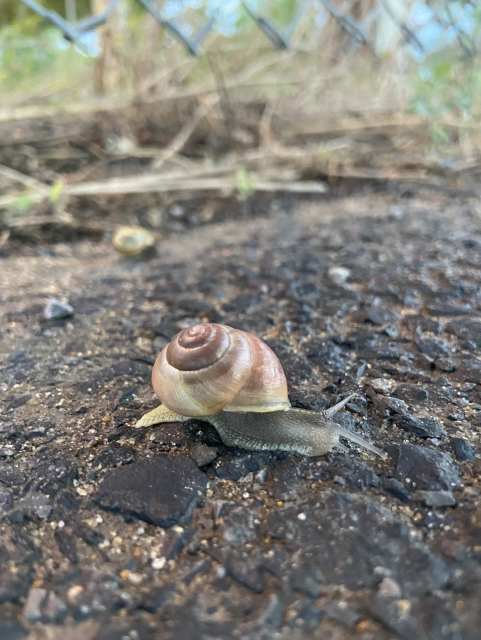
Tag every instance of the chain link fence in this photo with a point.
(424, 27)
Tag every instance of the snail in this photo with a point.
(234, 381)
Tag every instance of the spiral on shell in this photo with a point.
(208, 368)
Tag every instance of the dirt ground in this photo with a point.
(109, 532)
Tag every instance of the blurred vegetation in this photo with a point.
(133, 56)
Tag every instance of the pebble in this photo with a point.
(202, 454)
(32, 610)
(55, 309)
(339, 275)
(54, 610)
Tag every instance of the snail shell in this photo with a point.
(208, 368)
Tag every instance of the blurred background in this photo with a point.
(109, 108)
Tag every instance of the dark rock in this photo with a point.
(353, 474)
(380, 315)
(432, 348)
(397, 489)
(160, 490)
(157, 597)
(246, 570)
(13, 586)
(171, 433)
(114, 455)
(238, 525)
(347, 538)
(411, 393)
(469, 330)
(10, 475)
(342, 613)
(425, 469)
(6, 502)
(394, 614)
(12, 630)
(174, 541)
(87, 534)
(421, 427)
(52, 476)
(449, 309)
(385, 405)
(470, 371)
(236, 467)
(308, 580)
(19, 402)
(412, 322)
(66, 545)
(462, 449)
(202, 454)
(55, 309)
(434, 498)
(33, 505)
(68, 500)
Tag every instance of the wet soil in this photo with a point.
(111, 532)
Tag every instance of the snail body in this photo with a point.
(234, 381)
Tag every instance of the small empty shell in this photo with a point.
(132, 240)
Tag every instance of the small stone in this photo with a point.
(424, 469)
(389, 588)
(411, 393)
(158, 563)
(54, 610)
(55, 309)
(341, 612)
(435, 498)
(462, 450)
(384, 405)
(397, 489)
(238, 525)
(203, 454)
(421, 427)
(382, 315)
(161, 490)
(382, 385)
(66, 545)
(32, 611)
(339, 275)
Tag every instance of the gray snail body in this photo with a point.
(234, 381)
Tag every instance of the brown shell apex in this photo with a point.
(212, 367)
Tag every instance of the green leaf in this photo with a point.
(22, 204)
(56, 191)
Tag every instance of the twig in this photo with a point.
(28, 181)
(183, 136)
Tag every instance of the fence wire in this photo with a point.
(451, 20)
